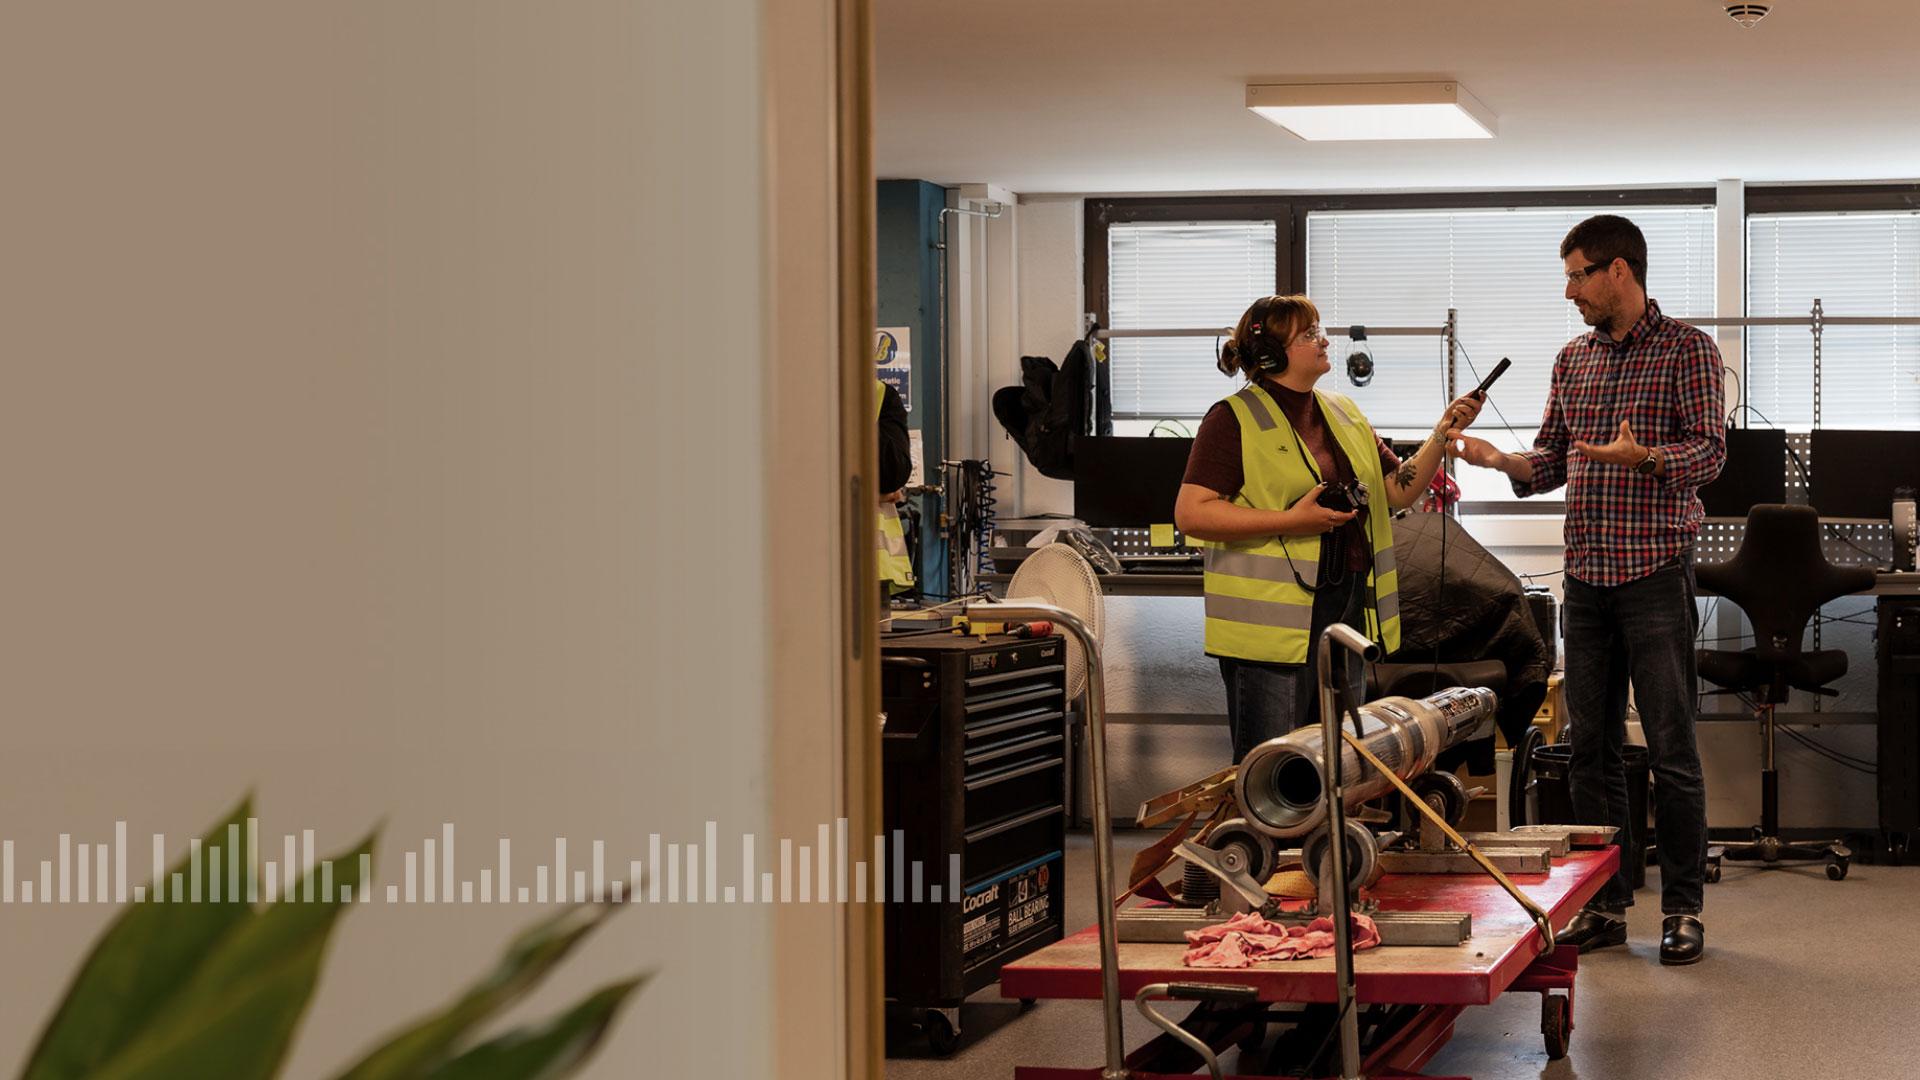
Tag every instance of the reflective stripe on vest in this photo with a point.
(895, 565)
(1258, 603)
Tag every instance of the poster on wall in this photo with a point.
(893, 360)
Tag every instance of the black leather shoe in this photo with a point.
(1682, 940)
(1593, 930)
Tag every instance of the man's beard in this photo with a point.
(1598, 319)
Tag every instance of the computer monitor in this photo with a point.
(1756, 472)
(1854, 473)
(1127, 482)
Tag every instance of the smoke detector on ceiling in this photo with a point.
(1747, 14)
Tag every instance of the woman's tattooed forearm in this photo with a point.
(1405, 474)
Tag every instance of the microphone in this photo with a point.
(1499, 370)
(1360, 359)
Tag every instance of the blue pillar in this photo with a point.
(909, 267)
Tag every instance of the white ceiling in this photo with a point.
(1117, 96)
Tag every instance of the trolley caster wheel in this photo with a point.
(1027, 1004)
(1556, 1024)
(1837, 869)
(942, 1037)
(1713, 871)
(1444, 792)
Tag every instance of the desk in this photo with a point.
(1895, 583)
(1885, 583)
(1896, 717)
(1161, 583)
(1131, 583)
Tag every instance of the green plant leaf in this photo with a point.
(142, 961)
(548, 1052)
(528, 959)
(235, 1018)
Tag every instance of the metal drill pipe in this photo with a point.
(1116, 1067)
(1279, 784)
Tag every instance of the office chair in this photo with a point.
(1780, 578)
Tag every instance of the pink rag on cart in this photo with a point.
(1247, 939)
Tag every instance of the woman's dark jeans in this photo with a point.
(1265, 701)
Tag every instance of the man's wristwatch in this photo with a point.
(1647, 464)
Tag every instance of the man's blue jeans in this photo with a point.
(1641, 632)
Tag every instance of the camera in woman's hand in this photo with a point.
(1344, 496)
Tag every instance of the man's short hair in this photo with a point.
(1606, 237)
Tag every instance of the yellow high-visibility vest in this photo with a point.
(896, 566)
(1256, 609)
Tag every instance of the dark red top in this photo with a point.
(1215, 462)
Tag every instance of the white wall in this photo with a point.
(379, 436)
(1051, 263)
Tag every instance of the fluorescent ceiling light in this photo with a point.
(1353, 111)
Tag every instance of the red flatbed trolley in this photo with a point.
(1422, 989)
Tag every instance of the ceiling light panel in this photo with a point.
(1372, 111)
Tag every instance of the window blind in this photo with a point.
(1856, 264)
(1164, 276)
(1501, 270)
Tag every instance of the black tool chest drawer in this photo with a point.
(974, 765)
(1898, 653)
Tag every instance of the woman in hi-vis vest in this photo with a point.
(1291, 490)
(896, 468)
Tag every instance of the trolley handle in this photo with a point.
(1221, 992)
(1203, 992)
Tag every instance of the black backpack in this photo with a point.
(1048, 409)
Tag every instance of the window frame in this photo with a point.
(1831, 198)
(1765, 201)
(1101, 214)
(1289, 210)
(1289, 213)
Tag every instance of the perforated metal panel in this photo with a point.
(1719, 539)
(1011, 538)
(1846, 543)
(1140, 542)
(1800, 443)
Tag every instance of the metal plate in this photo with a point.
(1557, 844)
(1580, 836)
(1448, 928)
(1517, 860)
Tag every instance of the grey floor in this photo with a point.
(1804, 977)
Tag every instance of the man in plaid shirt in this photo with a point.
(1634, 425)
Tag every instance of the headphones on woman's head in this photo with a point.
(1261, 354)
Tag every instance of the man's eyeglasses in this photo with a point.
(1578, 277)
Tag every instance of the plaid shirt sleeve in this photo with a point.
(1697, 458)
(1549, 454)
